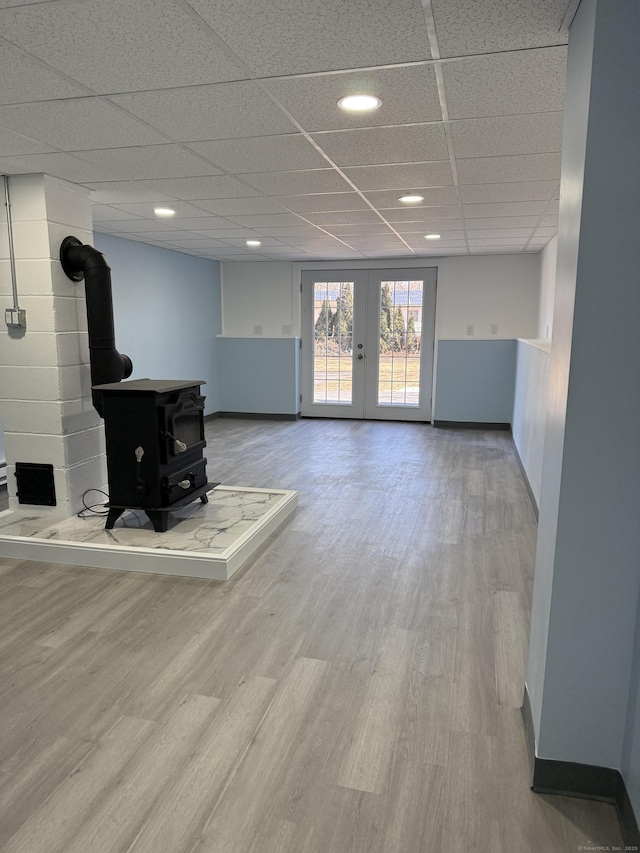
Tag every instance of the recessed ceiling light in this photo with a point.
(411, 199)
(431, 236)
(164, 211)
(359, 103)
(254, 243)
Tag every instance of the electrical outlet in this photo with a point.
(257, 330)
(286, 330)
(547, 333)
(470, 329)
(494, 329)
(15, 317)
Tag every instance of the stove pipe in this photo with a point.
(107, 364)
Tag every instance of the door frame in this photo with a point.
(366, 330)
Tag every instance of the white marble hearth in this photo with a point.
(211, 540)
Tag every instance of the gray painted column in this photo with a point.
(588, 560)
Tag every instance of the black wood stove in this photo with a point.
(154, 427)
(154, 430)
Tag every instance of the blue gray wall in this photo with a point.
(167, 312)
(587, 583)
(259, 375)
(475, 381)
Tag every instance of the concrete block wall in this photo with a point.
(45, 388)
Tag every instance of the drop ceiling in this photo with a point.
(226, 111)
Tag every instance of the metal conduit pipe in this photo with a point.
(107, 364)
(15, 316)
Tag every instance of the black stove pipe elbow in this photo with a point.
(107, 364)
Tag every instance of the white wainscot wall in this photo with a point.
(530, 408)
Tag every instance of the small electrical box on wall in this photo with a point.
(35, 484)
(15, 317)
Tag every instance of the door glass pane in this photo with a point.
(400, 340)
(332, 353)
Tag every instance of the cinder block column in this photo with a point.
(45, 388)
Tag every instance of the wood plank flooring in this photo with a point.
(356, 689)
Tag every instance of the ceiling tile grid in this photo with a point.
(228, 114)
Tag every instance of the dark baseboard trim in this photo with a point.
(259, 416)
(470, 425)
(585, 781)
(212, 416)
(532, 497)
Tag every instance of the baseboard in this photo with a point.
(470, 425)
(259, 416)
(585, 781)
(532, 497)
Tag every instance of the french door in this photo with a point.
(367, 343)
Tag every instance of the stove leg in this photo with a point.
(112, 517)
(204, 499)
(160, 520)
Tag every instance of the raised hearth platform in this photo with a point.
(210, 540)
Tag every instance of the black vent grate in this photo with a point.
(35, 484)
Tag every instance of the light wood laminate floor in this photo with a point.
(356, 688)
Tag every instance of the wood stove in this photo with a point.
(154, 431)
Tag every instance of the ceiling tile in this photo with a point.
(105, 213)
(545, 232)
(225, 111)
(496, 233)
(137, 226)
(240, 206)
(58, 165)
(494, 241)
(267, 242)
(274, 220)
(407, 95)
(25, 79)
(202, 222)
(503, 222)
(445, 237)
(14, 143)
(262, 153)
(219, 186)
(289, 230)
(464, 28)
(531, 81)
(319, 202)
(296, 36)
(550, 219)
(119, 192)
(358, 230)
(519, 208)
(338, 217)
(413, 144)
(422, 214)
(437, 225)
(433, 197)
(553, 207)
(120, 46)
(437, 174)
(78, 124)
(149, 161)
(423, 246)
(520, 167)
(226, 233)
(516, 191)
(495, 250)
(503, 135)
(183, 209)
(289, 183)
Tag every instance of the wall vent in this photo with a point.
(35, 484)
